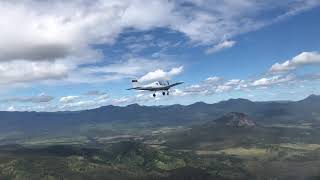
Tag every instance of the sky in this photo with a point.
(81, 54)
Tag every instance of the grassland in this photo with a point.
(163, 153)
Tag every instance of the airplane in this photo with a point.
(163, 86)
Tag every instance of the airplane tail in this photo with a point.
(135, 83)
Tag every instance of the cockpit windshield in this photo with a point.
(163, 83)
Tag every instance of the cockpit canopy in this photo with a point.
(163, 83)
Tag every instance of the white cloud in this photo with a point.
(69, 99)
(305, 58)
(43, 30)
(24, 71)
(216, 85)
(178, 92)
(11, 108)
(160, 74)
(213, 79)
(46, 30)
(64, 32)
(103, 98)
(213, 85)
(79, 105)
(223, 88)
(234, 82)
(76, 102)
(221, 46)
(122, 101)
(132, 66)
(267, 81)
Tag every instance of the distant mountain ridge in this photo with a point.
(304, 110)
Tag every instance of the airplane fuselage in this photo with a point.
(152, 88)
(156, 86)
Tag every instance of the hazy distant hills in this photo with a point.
(306, 110)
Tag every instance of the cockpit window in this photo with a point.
(162, 83)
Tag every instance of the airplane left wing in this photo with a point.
(142, 88)
(133, 88)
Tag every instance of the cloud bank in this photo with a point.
(63, 35)
(303, 59)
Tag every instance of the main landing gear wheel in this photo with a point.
(164, 93)
(154, 95)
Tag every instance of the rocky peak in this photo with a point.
(235, 119)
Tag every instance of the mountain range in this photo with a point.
(306, 110)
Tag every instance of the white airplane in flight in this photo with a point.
(163, 86)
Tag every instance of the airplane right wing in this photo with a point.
(175, 84)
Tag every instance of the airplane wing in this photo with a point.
(155, 88)
(175, 84)
(141, 88)
(136, 88)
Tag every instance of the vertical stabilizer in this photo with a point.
(135, 83)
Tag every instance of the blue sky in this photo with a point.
(82, 54)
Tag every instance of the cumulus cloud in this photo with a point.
(131, 66)
(24, 71)
(43, 30)
(267, 81)
(223, 88)
(11, 108)
(178, 92)
(221, 46)
(123, 101)
(78, 105)
(215, 85)
(63, 34)
(234, 82)
(303, 59)
(160, 74)
(75, 102)
(213, 79)
(69, 99)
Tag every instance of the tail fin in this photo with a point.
(135, 83)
